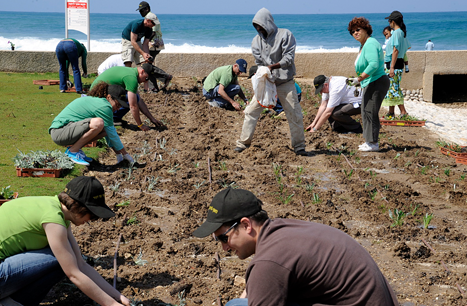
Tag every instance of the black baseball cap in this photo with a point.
(88, 191)
(148, 68)
(394, 15)
(252, 71)
(142, 5)
(228, 205)
(119, 93)
(319, 83)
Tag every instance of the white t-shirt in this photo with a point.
(341, 93)
(111, 61)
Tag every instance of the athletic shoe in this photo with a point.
(63, 91)
(369, 147)
(76, 158)
(83, 156)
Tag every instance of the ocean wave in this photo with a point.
(114, 45)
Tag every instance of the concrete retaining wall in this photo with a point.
(423, 65)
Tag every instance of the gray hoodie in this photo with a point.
(277, 47)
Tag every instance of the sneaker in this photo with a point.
(69, 84)
(76, 158)
(369, 147)
(83, 156)
(63, 91)
(239, 149)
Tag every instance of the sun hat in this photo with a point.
(228, 205)
(319, 83)
(142, 5)
(88, 191)
(118, 93)
(242, 64)
(394, 15)
(252, 71)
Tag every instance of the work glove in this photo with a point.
(119, 158)
(129, 158)
(353, 81)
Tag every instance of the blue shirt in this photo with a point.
(400, 42)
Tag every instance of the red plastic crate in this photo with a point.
(452, 153)
(401, 122)
(37, 172)
(462, 160)
(46, 82)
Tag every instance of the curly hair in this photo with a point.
(362, 23)
(99, 91)
(74, 206)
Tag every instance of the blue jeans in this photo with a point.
(66, 50)
(28, 277)
(232, 90)
(244, 302)
(122, 111)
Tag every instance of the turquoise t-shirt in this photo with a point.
(370, 61)
(221, 75)
(21, 223)
(400, 42)
(124, 76)
(137, 27)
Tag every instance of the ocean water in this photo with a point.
(229, 33)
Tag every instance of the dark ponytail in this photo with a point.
(400, 22)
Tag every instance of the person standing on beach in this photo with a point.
(132, 50)
(129, 78)
(429, 45)
(68, 52)
(221, 86)
(394, 64)
(387, 35)
(275, 48)
(369, 67)
(295, 262)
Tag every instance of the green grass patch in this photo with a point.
(26, 114)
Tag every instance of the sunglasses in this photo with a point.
(357, 30)
(223, 237)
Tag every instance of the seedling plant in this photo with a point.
(426, 220)
(397, 217)
(43, 159)
(7, 193)
(123, 204)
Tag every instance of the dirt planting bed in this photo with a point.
(165, 198)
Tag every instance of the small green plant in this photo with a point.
(328, 145)
(407, 164)
(115, 187)
(7, 193)
(162, 143)
(462, 177)
(43, 159)
(373, 194)
(414, 209)
(145, 149)
(315, 198)
(357, 160)
(199, 185)
(426, 220)
(132, 220)
(286, 199)
(131, 167)
(416, 153)
(123, 204)
(397, 217)
(447, 171)
(423, 170)
(309, 187)
(139, 261)
(152, 182)
(348, 174)
(196, 164)
(298, 178)
(224, 184)
(397, 156)
(173, 169)
(222, 165)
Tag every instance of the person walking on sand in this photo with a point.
(429, 45)
(68, 52)
(394, 64)
(132, 49)
(129, 78)
(275, 48)
(338, 104)
(295, 262)
(38, 249)
(221, 86)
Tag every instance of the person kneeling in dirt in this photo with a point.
(296, 262)
(37, 247)
(221, 86)
(339, 102)
(158, 74)
(88, 119)
(129, 78)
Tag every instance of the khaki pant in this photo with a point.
(129, 54)
(287, 94)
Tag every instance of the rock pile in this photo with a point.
(413, 95)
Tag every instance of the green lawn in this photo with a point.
(26, 114)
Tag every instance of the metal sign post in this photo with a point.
(77, 18)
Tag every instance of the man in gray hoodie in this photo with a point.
(275, 48)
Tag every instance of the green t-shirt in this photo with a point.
(222, 75)
(124, 76)
(83, 108)
(21, 223)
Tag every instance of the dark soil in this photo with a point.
(338, 186)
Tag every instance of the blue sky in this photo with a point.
(247, 6)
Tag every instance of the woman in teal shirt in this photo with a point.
(371, 76)
(394, 63)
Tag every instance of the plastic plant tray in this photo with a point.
(401, 122)
(37, 172)
(461, 160)
(46, 82)
(15, 195)
(452, 153)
